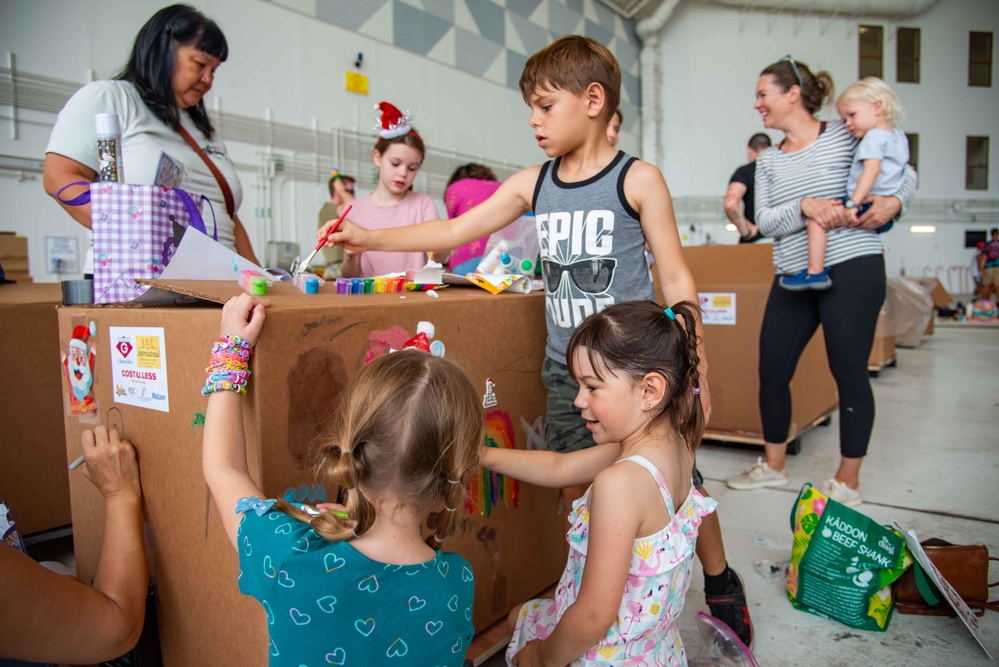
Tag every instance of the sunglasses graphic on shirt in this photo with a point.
(591, 276)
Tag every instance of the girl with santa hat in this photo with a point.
(398, 155)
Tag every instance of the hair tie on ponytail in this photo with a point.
(697, 390)
(669, 313)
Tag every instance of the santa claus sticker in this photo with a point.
(78, 364)
(138, 367)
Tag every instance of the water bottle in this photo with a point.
(109, 147)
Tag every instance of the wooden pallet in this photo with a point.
(875, 369)
(756, 439)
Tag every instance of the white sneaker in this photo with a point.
(842, 493)
(758, 476)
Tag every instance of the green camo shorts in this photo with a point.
(565, 429)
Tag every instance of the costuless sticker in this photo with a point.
(139, 367)
(717, 307)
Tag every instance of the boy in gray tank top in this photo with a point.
(596, 210)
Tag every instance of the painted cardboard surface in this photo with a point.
(34, 481)
(733, 351)
(311, 346)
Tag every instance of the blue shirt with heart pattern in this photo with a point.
(328, 604)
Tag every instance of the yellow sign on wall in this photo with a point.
(357, 83)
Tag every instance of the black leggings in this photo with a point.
(848, 313)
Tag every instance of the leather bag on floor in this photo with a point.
(965, 567)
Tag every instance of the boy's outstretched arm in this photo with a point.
(513, 199)
(648, 194)
(224, 444)
(550, 469)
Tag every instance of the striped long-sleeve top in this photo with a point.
(820, 170)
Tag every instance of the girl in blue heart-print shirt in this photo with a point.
(355, 584)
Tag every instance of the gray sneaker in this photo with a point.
(757, 476)
(839, 491)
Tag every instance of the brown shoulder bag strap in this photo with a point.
(230, 205)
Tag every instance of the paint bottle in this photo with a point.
(109, 148)
(258, 286)
(343, 285)
(507, 263)
(526, 267)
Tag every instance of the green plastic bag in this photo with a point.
(843, 562)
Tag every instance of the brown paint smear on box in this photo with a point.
(315, 382)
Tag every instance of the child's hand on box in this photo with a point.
(243, 316)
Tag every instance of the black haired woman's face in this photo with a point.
(193, 74)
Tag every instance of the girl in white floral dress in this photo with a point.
(630, 545)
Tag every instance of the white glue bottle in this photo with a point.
(490, 262)
(109, 148)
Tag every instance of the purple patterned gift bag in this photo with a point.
(136, 231)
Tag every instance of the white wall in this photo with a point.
(711, 59)
(281, 63)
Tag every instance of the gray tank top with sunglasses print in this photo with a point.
(592, 248)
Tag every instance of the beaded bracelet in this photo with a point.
(228, 369)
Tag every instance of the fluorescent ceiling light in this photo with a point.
(730, 228)
(922, 229)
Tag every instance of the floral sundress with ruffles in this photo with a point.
(644, 633)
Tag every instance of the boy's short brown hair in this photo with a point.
(571, 63)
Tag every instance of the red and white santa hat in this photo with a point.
(421, 341)
(393, 123)
(81, 335)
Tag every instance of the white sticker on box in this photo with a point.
(718, 307)
(139, 367)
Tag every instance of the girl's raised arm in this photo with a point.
(550, 469)
(224, 446)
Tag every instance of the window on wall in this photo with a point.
(907, 55)
(976, 172)
(913, 149)
(871, 51)
(980, 59)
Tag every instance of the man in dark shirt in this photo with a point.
(741, 191)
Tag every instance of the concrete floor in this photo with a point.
(933, 466)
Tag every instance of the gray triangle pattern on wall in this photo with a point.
(492, 39)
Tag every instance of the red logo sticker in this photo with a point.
(124, 347)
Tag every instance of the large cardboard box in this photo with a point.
(33, 477)
(733, 282)
(310, 348)
(883, 350)
(14, 257)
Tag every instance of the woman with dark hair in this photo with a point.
(166, 135)
(805, 177)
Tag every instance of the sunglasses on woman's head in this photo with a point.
(794, 66)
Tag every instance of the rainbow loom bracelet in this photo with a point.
(228, 369)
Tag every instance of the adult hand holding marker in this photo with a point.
(67, 621)
(111, 464)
